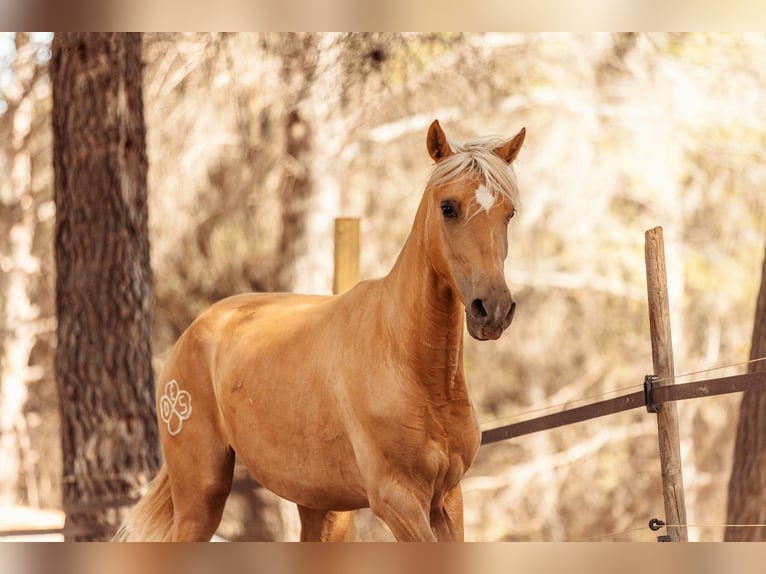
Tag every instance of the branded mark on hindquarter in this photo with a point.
(175, 407)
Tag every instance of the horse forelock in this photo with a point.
(477, 157)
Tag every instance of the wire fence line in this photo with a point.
(518, 417)
(632, 529)
(651, 396)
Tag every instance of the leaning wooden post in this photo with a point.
(346, 254)
(662, 358)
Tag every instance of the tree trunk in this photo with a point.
(296, 194)
(103, 285)
(317, 129)
(299, 56)
(747, 485)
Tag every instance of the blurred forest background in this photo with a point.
(256, 142)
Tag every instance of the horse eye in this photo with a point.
(448, 210)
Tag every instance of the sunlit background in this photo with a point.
(624, 132)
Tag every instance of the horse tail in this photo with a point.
(151, 519)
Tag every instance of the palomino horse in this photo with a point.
(344, 402)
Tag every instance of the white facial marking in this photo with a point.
(484, 197)
(175, 407)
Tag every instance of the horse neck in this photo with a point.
(427, 317)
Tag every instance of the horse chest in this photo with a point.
(454, 433)
(435, 446)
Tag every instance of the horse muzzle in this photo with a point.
(489, 316)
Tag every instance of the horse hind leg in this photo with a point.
(200, 464)
(200, 490)
(326, 525)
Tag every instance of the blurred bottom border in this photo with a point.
(379, 558)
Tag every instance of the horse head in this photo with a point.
(472, 197)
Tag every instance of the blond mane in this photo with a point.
(477, 157)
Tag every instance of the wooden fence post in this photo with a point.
(662, 359)
(346, 275)
(346, 254)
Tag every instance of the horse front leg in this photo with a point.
(404, 510)
(326, 525)
(447, 517)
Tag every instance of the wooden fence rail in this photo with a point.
(651, 395)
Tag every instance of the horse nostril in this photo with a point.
(510, 313)
(477, 308)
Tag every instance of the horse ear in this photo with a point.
(436, 141)
(510, 149)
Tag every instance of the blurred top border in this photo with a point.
(391, 15)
